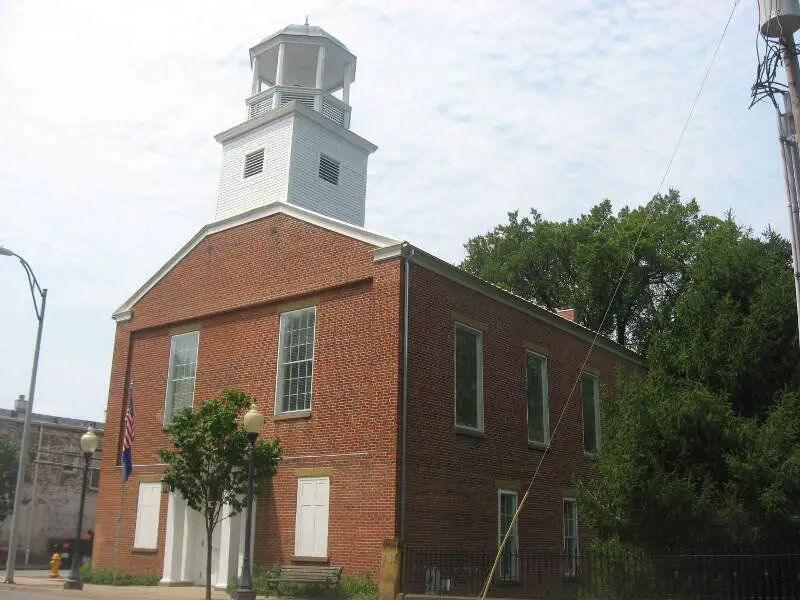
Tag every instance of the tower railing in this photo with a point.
(318, 100)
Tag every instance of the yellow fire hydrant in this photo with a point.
(55, 564)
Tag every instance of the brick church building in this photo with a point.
(413, 401)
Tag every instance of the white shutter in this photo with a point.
(147, 513)
(311, 528)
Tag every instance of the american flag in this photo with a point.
(128, 437)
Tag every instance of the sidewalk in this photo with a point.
(40, 581)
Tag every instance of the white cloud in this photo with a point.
(108, 113)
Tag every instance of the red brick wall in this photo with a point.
(453, 479)
(233, 286)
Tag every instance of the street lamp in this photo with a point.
(88, 446)
(26, 427)
(253, 421)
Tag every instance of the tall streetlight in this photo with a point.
(253, 421)
(39, 308)
(88, 446)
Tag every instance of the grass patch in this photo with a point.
(351, 587)
(106, 577)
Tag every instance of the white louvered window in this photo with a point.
(182, 373)
(149, 505)
(295, 360)
(254, 163)
(329, 169)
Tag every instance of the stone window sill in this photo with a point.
(537, 445)
(469, 432)
(292, 416)
(144, 551)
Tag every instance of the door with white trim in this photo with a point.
(311, 526)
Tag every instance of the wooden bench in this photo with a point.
(316, 574)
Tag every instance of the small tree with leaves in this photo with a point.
(8, 476)
(210, 458)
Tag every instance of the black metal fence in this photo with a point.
(620, 575)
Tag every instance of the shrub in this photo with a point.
(106, 577)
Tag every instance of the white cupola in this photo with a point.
(296, 145)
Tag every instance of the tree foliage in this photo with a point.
(578, 262)
(704, 450)
(209, 460)
(9, 456)
(734, 326)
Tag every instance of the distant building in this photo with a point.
(53, 490)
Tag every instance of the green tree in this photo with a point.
(734, 326)
(210, 458)
(664, 476)
(9, 455)
(705, 449)
(579, 262)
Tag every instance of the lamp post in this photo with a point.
(253, 421)
(26, 427)
(88, 446)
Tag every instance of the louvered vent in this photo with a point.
(329, 169)
(254, 163)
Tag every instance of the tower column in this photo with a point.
(256, 76)
(281, 61)
(319, 80)
(348, 77)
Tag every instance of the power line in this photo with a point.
(667, 170)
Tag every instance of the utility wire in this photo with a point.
(667, 170)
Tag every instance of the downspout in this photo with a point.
(407, 253)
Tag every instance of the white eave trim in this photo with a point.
(122, 316)
(298, 109)
(125, 312)
(461, 277)
(387, 252)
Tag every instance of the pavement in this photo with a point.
(38, 585)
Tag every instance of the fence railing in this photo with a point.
(277, 96)
(603, 574)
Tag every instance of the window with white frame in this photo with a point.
(182, 373)
(469, 377)
(590, 393)
(295, 360)
(311, 524)
(538, 408)
(147, 509)
(570, 537)
(509, 557)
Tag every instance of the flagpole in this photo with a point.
(119, 524)
(124, 479)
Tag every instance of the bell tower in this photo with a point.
(295, 145)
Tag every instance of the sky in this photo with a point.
(108, 110)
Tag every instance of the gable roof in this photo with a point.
(124, 312)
